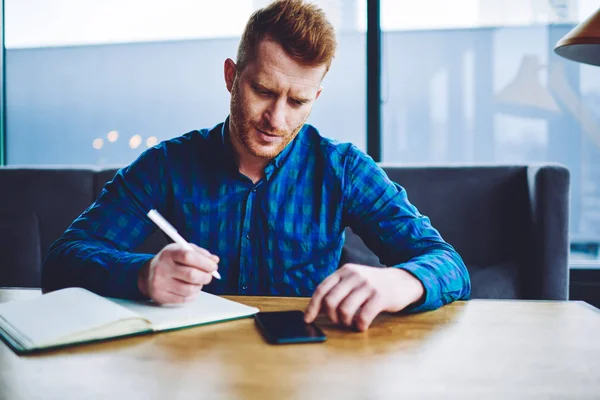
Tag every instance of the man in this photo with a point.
(265, 199)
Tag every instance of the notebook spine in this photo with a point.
(16, 338)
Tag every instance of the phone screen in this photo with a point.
(288, 327)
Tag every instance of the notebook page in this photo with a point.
(204, 309)
(55, 315)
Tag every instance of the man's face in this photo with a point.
(271, 98)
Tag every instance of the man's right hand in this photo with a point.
(177, 275)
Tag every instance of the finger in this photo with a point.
(167, 298)
(195, 259)
(176, 299)
(207, 253)
(348, 308)
(338, 293)
(182, 289)
(314, 306)
(191, 275)
(372, 307)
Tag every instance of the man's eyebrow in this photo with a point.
(300, 99)
(260, 86)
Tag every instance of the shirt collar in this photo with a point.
(229, 155)
(281, 157)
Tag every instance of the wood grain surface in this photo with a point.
(481, 349)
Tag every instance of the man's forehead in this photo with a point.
(274, 77)
(273, 63)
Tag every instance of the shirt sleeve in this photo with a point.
(95, 252)
(378, 210)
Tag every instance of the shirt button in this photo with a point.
(248, 236)
(254, 190)
(244, 287)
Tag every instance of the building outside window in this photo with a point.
(477, 81)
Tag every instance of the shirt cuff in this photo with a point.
(124, 280)
(432, 295)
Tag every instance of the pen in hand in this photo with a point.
(168, 229)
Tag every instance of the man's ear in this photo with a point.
(319, 90)
(229, 70)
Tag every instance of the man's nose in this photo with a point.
(276, 114)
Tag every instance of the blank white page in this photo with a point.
(58, 314)
(204, 309)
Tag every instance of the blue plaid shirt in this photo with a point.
(281, 236)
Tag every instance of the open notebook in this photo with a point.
(76, 315)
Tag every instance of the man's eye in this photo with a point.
(297, 103)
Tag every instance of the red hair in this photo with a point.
(300, 28)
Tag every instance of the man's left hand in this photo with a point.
(356, 294)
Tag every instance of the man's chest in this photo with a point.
(282, 214)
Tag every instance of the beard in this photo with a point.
(246, 130)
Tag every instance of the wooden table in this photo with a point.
(479, 349)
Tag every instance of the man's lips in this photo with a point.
(267, 137)
(266, 133)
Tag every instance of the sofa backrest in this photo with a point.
(485, 212)
(36, 206)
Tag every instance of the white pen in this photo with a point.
(170, 230)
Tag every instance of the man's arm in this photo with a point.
(378, 210)
(95, 251)
(426, 271)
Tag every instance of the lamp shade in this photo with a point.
(526, 95)
(582, 43)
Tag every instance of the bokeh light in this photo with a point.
(135, 141)
(151, 141)
(112, 136)
(98, 143)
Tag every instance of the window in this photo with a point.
(92, 82)
(477, 81)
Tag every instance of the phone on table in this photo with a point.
(284, 327)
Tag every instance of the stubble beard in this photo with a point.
(245, 128)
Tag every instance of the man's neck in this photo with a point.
(248, 165)
(253, 169)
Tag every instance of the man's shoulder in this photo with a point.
(328, 147)
(178, 152)
(192, 138)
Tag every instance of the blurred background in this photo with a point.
(463, 81)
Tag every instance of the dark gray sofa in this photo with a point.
(509, 223)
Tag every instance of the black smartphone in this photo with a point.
(284, 327)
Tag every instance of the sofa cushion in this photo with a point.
(20, 250)
(356, 251)
(500, 281)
